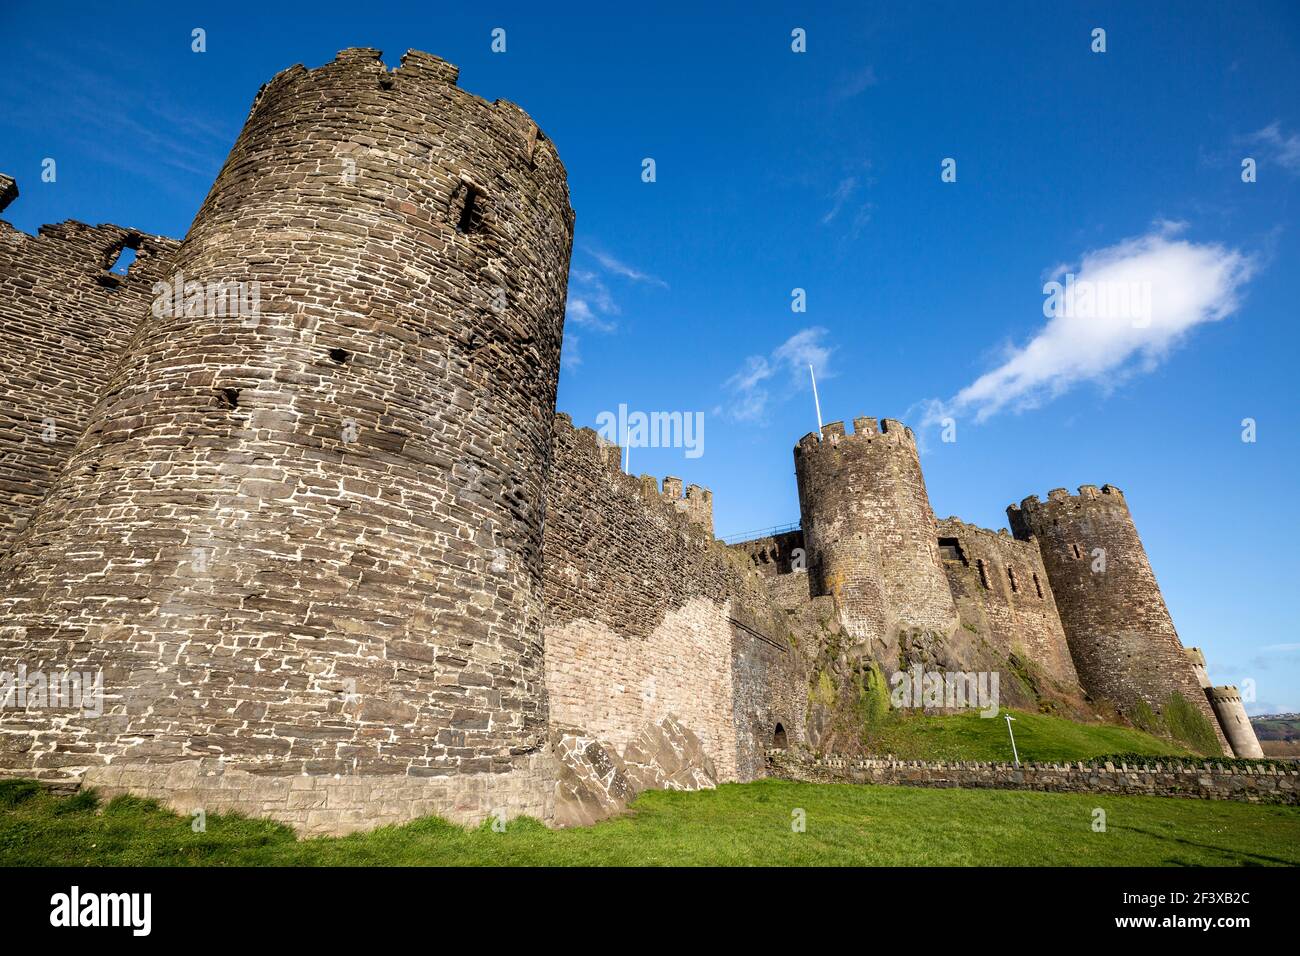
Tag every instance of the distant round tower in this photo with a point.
(1198, 667)
(870, 533)
(1236, 725)
(1122, 639)
(306, 537)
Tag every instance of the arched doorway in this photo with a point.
(778, 738)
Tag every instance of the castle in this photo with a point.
(292, 493)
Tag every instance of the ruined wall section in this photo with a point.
(309, 541)
(871, 534)
(1121, 637)
(647, 616)
(1001, 588)
(696, 503)
(775, 554)
(65, 320)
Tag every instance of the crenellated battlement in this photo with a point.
(692, 509)
(419, 75)
(884, 432)
(1058, 497)
(1227, 693)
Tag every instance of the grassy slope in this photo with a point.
(1038, 737)
(739, 824)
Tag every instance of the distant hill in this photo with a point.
(1279, 734)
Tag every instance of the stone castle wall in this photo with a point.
(338, 562)
(65, 320)
(648, 617)
(1001, 588)
(775, 555)
(301, 542)
(1121, 637)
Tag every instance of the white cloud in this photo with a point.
(621, 268)
(1281, 148)
(591, 305)
(581, 312)
(749, 386)
(803, 349)
(570, 356)
(1102, 338)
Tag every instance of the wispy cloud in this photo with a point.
(845, 201)
(854, 84)
(99, 110)
(620, 268)
(749, 389)
(570, 356)
(1279, 147)
(1187, 284)
(591, 304)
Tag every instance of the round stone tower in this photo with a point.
(870, 533)
(302, 532)
(1230, 710)
(1122, 639)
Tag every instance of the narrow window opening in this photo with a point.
(1038, 587)
(470, 218)
(339, 355)
(1011, 576)
(984, 578)
(778, 738)
(228, 397)
(1076, 551)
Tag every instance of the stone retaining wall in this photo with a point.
(335, 805)
(1210, 781)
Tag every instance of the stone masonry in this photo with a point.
(1209, 781)
(1121, 636)
(1067, 607)
(67, 321)
(870, 531)
(294, 490)
(300, 541)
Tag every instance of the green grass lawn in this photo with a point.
(738, 824)
(1038, 737)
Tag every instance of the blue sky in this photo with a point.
(820, 170)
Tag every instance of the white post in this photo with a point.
(816, 400)
(1014, 753)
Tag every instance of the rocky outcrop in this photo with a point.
(594, 782)
(591, 781)
(668, 756)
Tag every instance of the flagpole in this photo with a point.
(816, 400)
